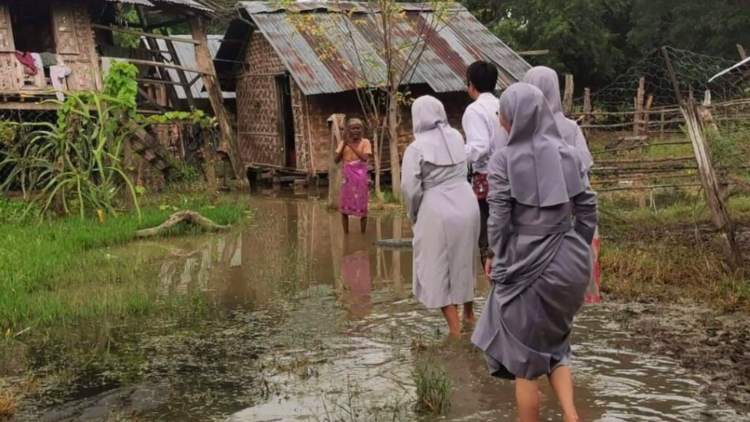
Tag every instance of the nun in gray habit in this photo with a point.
(443, 208)
(542, 220)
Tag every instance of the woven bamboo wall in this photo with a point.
(258, 105)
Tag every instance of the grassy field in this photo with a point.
(62, 272)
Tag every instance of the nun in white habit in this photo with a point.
(443, 208)
(542, 220)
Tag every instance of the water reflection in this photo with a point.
(350, 322)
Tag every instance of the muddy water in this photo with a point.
(328, 331)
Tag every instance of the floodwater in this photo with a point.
(322, 327)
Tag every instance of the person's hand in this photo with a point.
(488, 268)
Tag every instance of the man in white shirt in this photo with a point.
(484, 135)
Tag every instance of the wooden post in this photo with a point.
(336, 123)
(741, 50)
(661, 127)
(209, 168)
(228, 141)
(638, 119)
(647, 114)
(672, 75)
(710, 183)
(586, 111)
(568, 97)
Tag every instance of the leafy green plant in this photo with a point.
(75, 164)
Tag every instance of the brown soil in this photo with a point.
(708, 342)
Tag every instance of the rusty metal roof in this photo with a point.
(191, 4)
(331, 48)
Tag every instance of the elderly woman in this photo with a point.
(442, 206)
(548, 82)
(542, 220)
(354, 197)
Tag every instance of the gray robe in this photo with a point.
(540, 280)
(444, 209)
(542, 221)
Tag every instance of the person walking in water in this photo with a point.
(483, 135)
(542, 220)
(548, 82)
(354, 198)
(442, 206)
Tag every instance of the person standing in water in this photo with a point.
(548, 82)
(483, 135)
(355, 151)
(542, 221)
(442, 206)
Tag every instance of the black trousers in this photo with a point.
(484, 243)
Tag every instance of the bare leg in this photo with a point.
(451, 316)
(363, 224)
(527, 398)
(345, 223)
(562, 383)
(469, 312)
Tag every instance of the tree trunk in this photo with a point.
(376, 157)
(393, 135)
(228, 142)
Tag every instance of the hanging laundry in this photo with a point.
(38, 62)
(59, 74)
(28, 61)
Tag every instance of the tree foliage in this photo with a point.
(598, 39)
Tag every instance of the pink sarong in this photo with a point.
(355, 193)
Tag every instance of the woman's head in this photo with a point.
(523, 111)
(427, 113)
(547, 81)
(355, 128)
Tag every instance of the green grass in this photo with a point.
(64, 271)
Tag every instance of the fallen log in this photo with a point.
(395, 243)
(177, 218)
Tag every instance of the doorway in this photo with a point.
(286, 120)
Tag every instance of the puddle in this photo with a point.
(323, 328)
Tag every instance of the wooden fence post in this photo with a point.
(336, 123)
(647, 114)
(719, 214)
(741, 50)
(638, 118)
(587, 118)
(568, 98)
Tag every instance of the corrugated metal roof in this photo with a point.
(186, 55)
(342, 41)
(192, 4)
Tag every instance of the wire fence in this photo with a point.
(636, 126)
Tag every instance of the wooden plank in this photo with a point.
(228, 142)
(144, 34)
(638, 120)
(159, 82)
(167, 66)
(7, 42)
(151, 100)
(672, 75)
(534, 53)
(66, 39)
(710, 183)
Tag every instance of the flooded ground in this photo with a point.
(311, 325)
